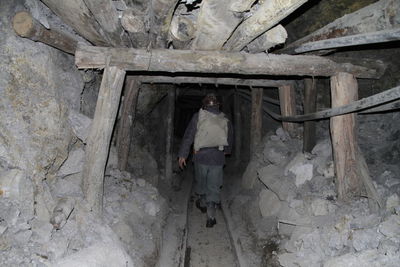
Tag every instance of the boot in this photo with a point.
(211, 222)
(211, 210)
(203, 209)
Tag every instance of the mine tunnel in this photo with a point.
(199, 133)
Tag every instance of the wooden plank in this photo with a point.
(344, 90)
(351, 40)
(99, 138)
(106, 15)
(215, 23)
(310, 106)
(287, 98)
(365, 105)
(172, 61)
(76, 14)
(128, 113)
(256, 119)
(161, 17)
(268, 14)
(237, 127)
(211, 80)
(169, 138)
(275, 36)
(378, 16)
(26, 26)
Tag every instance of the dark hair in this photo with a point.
(210, 100)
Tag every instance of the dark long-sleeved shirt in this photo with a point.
(208, 155)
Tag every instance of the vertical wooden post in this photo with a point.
(237, 127)
(344, 90)
(287, 98)
(99, 138)
(256, 119)
(127, 117)
(310, 106)
(170, 134)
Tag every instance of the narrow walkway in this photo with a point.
(208, 247)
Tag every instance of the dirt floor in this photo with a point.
(208, 247)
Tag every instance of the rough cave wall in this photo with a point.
(38, 87)
(147, 149)
(378, 135)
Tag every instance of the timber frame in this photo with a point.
(150, 62)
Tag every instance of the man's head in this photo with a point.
(210, 100)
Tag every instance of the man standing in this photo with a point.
(211, 133)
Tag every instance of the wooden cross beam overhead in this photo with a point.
(187, 61)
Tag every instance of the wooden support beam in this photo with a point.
(382, 15)
(351, 40)
(99, 138)
(215, 81)
(237, 127)
(214, 62)
(310, 106)
(268, 14)
(26, 26)
(106, 15)
(215, 23)
(275, 36)
(240, 6)
(76, 14)
(287, 97)
(344, 90)
(169, 137)
(128, 113)
(162, 12)
(256, 119)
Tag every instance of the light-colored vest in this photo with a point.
(212, 130)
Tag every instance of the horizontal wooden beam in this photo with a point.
(28, 27)
(378, 16)
(268, 14)
(187, 61)
(387, 99)
(352, 40)
(216, 81)
(76, 14)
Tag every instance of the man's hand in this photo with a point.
(182, 162)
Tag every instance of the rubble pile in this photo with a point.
(296, 199)
(128, 234)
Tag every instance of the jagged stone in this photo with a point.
(301, 167)
(151, 208)
(9, 213)
(69, 186)
(392, 202)
(41, 230)
(271, 177)
(141, 182)
(269, 203)
(366, 239)
(370, 258)
(321, 207)
(389, 247)
(390, 227)
(282, 134)
(22, 237)
(73, 164)
(80, 124)
(250, 174)
(99, 254)
(61, 212)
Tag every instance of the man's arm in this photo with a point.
(187, 141)
(228, 148)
